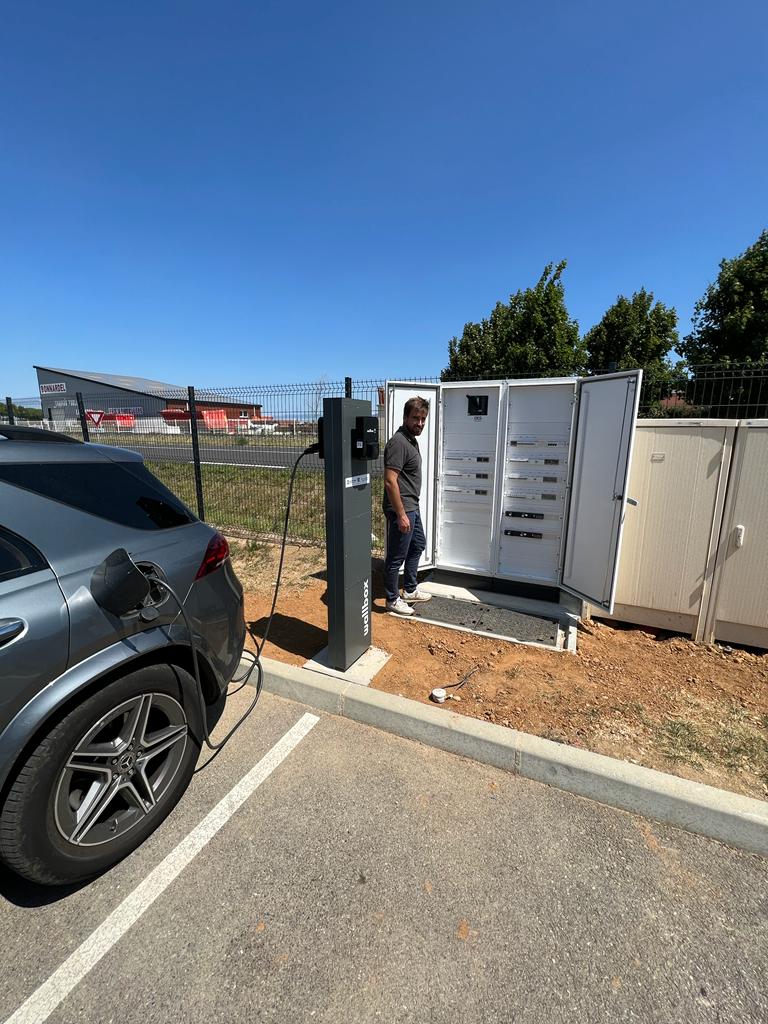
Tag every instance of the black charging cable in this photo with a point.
(458, 686)
(312, 450)
(439, 694)
(256, 664)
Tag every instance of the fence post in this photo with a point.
(347, 387)
(81, 413)
(196, 453)
(50, 416)
(9, 410)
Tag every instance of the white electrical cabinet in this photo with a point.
(525, 480)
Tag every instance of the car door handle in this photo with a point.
(10, 629)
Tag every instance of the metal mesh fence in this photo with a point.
(231, 460)
(738, 392)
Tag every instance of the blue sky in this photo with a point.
(248, 193)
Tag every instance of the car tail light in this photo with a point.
(216, 555)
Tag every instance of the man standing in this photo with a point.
(402, 486)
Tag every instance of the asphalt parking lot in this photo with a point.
(365, 877)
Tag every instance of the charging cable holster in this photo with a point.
(365, 438)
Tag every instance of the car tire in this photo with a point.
(102, 779)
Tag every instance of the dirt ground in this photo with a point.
(645, 696)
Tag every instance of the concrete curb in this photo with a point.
(733, 819)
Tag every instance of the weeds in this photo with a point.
(735, 744)
(743, 750)
(682, 741)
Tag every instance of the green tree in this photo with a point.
(634, 332)
(730, 321)
(531, 334)
(21, 411)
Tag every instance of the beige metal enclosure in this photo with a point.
(738, 611)
(695, 554)
(679, 477)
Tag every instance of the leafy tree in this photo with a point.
(531, 334)
(23, 412)
(633, 332)
(730, 321)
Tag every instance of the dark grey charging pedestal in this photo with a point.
(348, 534)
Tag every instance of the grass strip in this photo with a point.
(252, 499)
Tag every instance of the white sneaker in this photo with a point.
(416, 595)
(399, 607)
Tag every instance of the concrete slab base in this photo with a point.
(568, 622)
(547, 609)
(363, 671)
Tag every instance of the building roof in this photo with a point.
(150, 388)
(118, 380)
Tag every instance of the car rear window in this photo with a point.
(125, 493)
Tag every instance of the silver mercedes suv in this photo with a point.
(100, 718)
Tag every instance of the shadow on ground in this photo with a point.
(23, 893)
(291, 635)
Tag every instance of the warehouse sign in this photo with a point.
(60, 388)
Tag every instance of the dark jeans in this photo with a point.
(403, 547)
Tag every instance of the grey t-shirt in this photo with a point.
(402, 453)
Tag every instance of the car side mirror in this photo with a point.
(118, 585)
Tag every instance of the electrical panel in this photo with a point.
(536, 462)
(467, 490)
(525, 480)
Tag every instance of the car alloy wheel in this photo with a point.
(103, 777)
(120, 769)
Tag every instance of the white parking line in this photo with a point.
(45, 999)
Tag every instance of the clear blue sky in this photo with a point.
(253, 192)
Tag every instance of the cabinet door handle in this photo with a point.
(10, 629)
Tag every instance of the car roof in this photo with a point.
(38, 434)
(25, 444)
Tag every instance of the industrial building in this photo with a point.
(111, 395)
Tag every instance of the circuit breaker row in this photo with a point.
(468, 490)
(535, 482)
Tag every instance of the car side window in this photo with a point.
(125, 493)
(17, 556)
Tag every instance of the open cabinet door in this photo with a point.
(605, 430)
(398, 393)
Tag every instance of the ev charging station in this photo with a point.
(349, 440)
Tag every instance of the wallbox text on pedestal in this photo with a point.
(366, 609)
